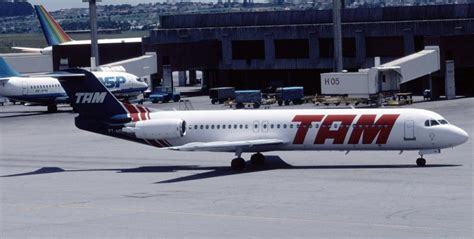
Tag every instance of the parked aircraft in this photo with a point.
(48, 91)
(55, 35)
(259, 131)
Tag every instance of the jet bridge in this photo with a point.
(369, 83)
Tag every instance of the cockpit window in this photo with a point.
(442, 121)
(427, 123)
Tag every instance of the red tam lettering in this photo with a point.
(338, 135)
(370, 128)
(305, 120)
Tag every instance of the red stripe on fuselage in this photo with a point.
(143, 112)
(132, 111)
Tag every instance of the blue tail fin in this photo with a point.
(90, 98)
(6, 70)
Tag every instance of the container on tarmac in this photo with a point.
(248, 97)
(221, 94)
(285, 95)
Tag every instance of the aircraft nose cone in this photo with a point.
(461, 136)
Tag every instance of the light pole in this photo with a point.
(93, 26)
(336, 20)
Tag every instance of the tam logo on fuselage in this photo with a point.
(112, 81)
(90, 97)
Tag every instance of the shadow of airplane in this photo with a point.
(17, 114)
(271, 163)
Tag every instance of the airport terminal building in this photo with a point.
(260, 49)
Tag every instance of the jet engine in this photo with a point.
(157, 129)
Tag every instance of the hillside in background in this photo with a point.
(9, 9)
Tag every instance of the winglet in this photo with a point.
(53, 32)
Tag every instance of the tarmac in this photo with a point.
(60, 182)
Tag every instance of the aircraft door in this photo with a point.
(409, 130)
(24, 87)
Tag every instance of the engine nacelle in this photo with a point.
(158, 129)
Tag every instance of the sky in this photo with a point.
(52, 5)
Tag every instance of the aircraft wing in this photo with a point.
(227, 145)
(27, 49)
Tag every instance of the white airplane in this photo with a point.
(55, 35)
(259, 131)
(48, 90)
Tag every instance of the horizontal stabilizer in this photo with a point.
(28, 49)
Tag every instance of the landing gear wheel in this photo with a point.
(237, 164)
(257, 159)
(420, 162)
(52, 108)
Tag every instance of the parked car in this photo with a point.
(164, 95)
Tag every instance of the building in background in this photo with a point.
(251, 50)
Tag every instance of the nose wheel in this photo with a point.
(420, 162)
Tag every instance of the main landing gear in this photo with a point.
(53, 108)
(420, 162)
(239, 164)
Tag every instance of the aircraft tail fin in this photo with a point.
(90, 98)
(52, 31)
(6, 70)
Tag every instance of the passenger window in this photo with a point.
(218, 126)
(271, 126)
(201, 126)
(212, 126)
(278, 126)
(256, 126)
(223, 126)
(264, 126)
(246, 126)
(284, 126)
(297, 125)
(207, 126)
(230, 126)
(241, 126)
(316, 125)
(291, 126)
(235, 126)
(195, 127)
